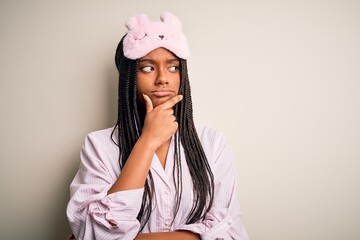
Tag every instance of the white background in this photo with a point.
(281, 79)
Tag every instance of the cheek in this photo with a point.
(140, 100)
(178, 85)
(174, 81)
(141, 85)
(140, 97)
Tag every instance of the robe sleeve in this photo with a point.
(92, 213)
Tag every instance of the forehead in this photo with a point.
(160, 54)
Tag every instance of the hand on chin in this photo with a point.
(159, 100)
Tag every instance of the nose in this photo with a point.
(161, 78)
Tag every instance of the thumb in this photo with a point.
(148, 103)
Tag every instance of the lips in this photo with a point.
(162, 93)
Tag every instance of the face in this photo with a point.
(158, 76)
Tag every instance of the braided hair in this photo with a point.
(129, 126)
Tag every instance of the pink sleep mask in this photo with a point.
(145, 36)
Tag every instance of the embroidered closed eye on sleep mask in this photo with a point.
(145, 36)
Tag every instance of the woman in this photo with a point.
(155, 176)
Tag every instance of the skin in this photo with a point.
(159, 80)
(157, 89)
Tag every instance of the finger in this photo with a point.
(171, 102)
(169, 112)
(148, 103)
(172, 118)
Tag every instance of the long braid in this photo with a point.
(129, 126)
(200, 171)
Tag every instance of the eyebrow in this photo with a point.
(153, 62)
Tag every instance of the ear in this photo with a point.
(171, 19)
(136, 21)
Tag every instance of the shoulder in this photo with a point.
(210, 136)
(101, 141)
(219, 155)
(100, 152)
(101, 135)
(212, 141)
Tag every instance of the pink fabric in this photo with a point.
(145, 36)
(93, 214)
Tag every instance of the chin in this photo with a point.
(158, 101)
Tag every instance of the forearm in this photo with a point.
(135, 171)
(159, 126)
(177, 235)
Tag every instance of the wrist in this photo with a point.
(147, 143)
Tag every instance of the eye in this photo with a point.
(147, 69)
(174, 68)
